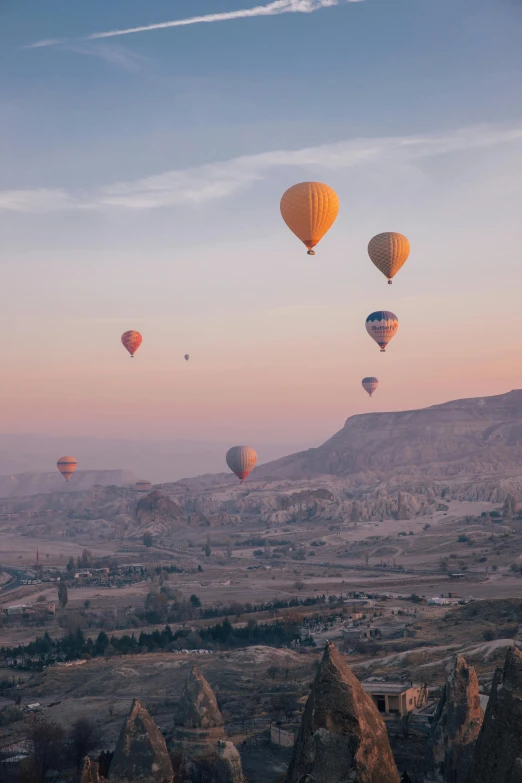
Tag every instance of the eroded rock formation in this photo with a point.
(140, 754)
(228, 763)
(456, 724)
(90, 772)
(198, 708)
(342, 735)
(498, 751)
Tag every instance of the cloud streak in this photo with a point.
(214, 181)
(274, 8)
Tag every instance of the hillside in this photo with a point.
(24, 484)
(458, 439)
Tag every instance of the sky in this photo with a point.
(144, 149)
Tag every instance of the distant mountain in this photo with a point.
(25, 484)
(456, 440)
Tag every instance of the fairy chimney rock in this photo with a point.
(228, 763)
(498, 752)
(456, 724)
(90, 773)
(141, 754)
(342, 735)
(198, 707)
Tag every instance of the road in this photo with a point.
(17, 575)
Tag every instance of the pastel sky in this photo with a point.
(140, 179)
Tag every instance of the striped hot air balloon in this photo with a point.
(66, 466)
(309, 210)
(389, 251)
(382, 327)
(241, 460)
(370, 384)
(131, 341)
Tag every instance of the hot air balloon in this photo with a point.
(309, 209)
(382, 326)
(132, 341)
(389, 251)
(187, 357)
(370, 384)
(241, 460)
(66, 466)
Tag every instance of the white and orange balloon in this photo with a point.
(241, 460)
(382, 327)
(309, 209)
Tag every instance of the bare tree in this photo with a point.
(83, 737)
(46, 740)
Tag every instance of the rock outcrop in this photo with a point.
(90, 772)
(342, 735)
(157, 508)
(228, 763)
(498, 751)
(141, 754)
(198, 708)
(456, 724)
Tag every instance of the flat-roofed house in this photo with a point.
(396, 698)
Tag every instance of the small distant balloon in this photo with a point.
(187, 357)
(382, 327)
(66, 466)
(309, 210)
(131, 341)
(241, 460)
(389, 251)
(370, 384)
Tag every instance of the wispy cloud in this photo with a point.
(214, 181)
(271, 9)
(109, 53)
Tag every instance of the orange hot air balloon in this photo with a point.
(389, 251)
(66, 466)
(241, 460)
(132, 341)
(309, 209)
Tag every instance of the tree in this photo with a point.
(194, 600)
(299, 585)
(207, 550)
(228, 547)
(83, 738)
(70, 565)
(355, 514)
(62, 594)
(147, 539)
(46, 740)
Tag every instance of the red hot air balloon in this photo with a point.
(131, 341)
(370, 384)
(66, 466)
(241, 460)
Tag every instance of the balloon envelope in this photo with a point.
(131, 341)
(309, 209)
(389, 251)
(370, 384)
(187, 357)
(66, 466)
(382, 326)
(241, 460)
